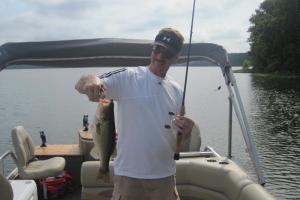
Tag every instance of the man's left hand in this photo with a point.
(185, 125)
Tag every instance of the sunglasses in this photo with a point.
(157, 49)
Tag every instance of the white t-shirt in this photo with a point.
(145, 148)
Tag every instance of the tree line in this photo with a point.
(275, 37)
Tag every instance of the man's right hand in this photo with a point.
(91, 86)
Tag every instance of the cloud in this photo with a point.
(219, 21)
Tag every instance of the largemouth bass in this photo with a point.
(104, 136)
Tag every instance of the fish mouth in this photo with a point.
(105, 102)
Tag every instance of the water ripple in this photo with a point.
(275, 104)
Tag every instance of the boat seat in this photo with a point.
(196, 179)
(254, 191)
(5, 188)
(194, 142)
(216, 179)
(29, 167)
(93, 188)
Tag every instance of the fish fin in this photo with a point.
(98, 128)
(104, 175)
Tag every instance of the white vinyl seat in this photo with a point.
(5, 188)
(29, 167)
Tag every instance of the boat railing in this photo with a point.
(13, 173)
(208, 152)
(235, 102)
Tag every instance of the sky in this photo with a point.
(224, 22)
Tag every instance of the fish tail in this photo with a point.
(103, 174)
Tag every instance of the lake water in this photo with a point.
(45, 99)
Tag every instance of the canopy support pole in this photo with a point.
(230, 129)
(241, 116)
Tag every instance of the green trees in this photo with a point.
(275, 37)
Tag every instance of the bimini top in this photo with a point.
(125, 52)
(99, 52)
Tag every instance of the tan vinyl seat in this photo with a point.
(5, 188)
(215, 178)
(93, 189)
(29, 167)
(194, 142)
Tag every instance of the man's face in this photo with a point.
(161, 59)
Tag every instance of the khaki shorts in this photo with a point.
(126, 188)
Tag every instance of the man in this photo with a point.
(147, 100)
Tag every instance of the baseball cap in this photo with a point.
(169, 38)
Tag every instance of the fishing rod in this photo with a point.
(188, 57)
(179, 134)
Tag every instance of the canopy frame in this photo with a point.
(128, 52)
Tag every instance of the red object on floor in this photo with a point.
(57, 186)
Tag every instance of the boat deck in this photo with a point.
(194, 176)
(76, 195)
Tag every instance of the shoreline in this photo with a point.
(269, 75)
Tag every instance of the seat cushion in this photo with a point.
(193, 192)
(255, 191)
(209, 173)
(43, 168)
(23, 146)
(89, 171)
(96, 193)
(5, 188)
